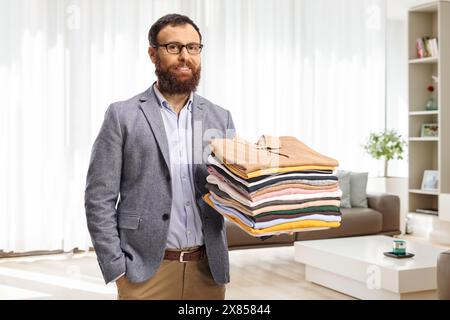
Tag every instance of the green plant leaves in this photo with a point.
(388, 145)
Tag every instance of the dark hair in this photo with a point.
(173, 20)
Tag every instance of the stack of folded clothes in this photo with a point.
(277, 185)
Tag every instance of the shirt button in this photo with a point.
(189, 232)
(165, 216)
(188, 204)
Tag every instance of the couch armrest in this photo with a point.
(443, 276)
(389, 206)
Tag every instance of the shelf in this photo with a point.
(424, 139)
(424, 60)
(425, 8)
(420, 191)
(428, 152)
(424, 213)
(433, 212)
(424, 113)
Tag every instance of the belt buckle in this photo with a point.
(182, 256)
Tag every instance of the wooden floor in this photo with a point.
(267, 273)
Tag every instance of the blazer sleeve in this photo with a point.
(101, 194)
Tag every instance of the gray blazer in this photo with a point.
(128, 195)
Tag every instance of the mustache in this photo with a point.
(185, 64)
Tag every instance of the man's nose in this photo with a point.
(184, 54)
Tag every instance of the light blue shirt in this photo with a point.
(185, 228)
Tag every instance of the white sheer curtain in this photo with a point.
(309, 68)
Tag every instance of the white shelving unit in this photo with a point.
(429, 153)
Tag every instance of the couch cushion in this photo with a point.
(238, 238)
(355, 222)
(358, 186)
(344, 185)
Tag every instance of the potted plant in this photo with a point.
(387, 145)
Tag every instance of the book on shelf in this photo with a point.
(427, 47)
(427, 211)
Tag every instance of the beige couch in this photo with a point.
(381, 217)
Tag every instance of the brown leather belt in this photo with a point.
(185, 256)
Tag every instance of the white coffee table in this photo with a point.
(356, 266)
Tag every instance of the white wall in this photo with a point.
(396, 88)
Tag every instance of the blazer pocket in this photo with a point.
(127, 221)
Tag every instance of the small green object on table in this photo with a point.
(398, 256)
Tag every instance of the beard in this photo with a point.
(168, 81)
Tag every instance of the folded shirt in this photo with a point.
(283, 186)
(269, 155)
(271, 188)
(270, 223)
(317, 180)
(279, 190)
(295, 226)
(290, 216)
(264, 172)
(329, 207)
(289, 191)
(266, 205)
(294, 197)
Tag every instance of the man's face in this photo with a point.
(177, 73)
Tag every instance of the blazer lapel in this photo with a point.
(149, 105)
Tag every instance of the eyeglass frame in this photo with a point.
(180, 47)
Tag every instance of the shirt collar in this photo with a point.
(163, 102)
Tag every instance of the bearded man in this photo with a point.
(152, 233)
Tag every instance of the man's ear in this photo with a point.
(152, 54)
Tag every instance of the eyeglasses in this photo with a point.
(176, 47)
